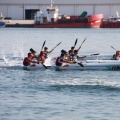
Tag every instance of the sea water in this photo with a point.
(58, 95)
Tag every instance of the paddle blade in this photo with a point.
(80, 64)
(43, 44)
(44, 66)
(75, 42)
(95, 54)
(113, 48)
(59, 43)
(84, 40)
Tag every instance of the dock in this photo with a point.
(20, 23)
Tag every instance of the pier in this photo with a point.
(20, 23)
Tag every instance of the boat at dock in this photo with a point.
(52, 19)
(2, 22)
(112, 22)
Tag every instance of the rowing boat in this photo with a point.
(87, 66)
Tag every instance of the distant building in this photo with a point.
(25, 9)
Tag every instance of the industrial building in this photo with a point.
(25, 9)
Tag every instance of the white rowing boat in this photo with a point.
(102, 61)
(87, 66)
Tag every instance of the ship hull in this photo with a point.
(108, 24)
(94, 21)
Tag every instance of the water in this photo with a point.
(57, 95)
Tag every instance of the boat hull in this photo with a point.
(2, 24)
(94, 21)
(87, 66)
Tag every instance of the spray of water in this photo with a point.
(18, 51)
(8, 61)
(48, 61)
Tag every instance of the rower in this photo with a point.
(33, 52)
(44, 54)
(66, 53)
(71, 51)
(61, 60)
(117, 55)
(74, 57)
(28, 60)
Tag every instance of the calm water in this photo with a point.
(59, 95)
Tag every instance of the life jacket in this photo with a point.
(44, 54)
(58, 63)
(42, 59)
(25, 62)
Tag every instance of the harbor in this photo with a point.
(81, 14)
(20, 23)
(59, 64)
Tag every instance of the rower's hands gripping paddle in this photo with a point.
(75, 42)
(82, 43)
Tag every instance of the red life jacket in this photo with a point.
(43, 55)
(57, 62)
(25, 62)
(42, 59)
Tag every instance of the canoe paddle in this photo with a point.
(43, 45)
(75, 42)
(56, 46)
(41, 50)
(94, 54)
(80, 64)
(113, 48)
(82, 43)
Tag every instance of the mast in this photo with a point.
(51, 3)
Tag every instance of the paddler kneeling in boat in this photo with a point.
(62, 59)
(44, 54)
(33, 52)
(74, 57)
(71, 51)
(117, 55)
(28, 60)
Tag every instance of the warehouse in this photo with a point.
(26, 9)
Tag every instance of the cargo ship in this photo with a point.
(52, 19)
